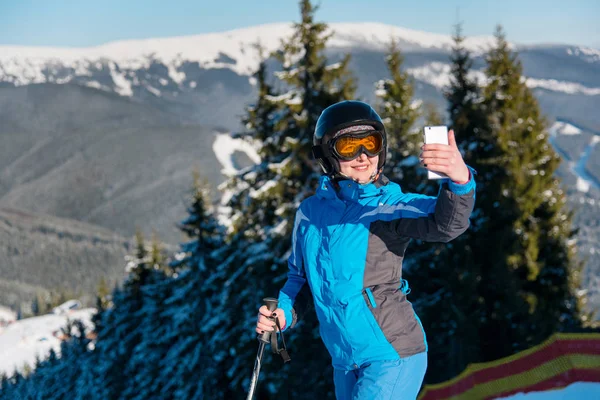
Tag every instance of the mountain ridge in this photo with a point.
(236, 45)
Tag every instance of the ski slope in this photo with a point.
(23, 340)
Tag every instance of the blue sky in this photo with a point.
(75, 23)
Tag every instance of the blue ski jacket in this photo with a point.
(348, 244)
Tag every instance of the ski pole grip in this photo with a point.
(271, 304)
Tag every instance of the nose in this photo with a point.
(362, 156)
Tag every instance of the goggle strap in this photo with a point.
(358, 134)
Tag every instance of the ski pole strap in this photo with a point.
(274, 345)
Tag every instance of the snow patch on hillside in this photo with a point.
(225, 146)
(438, 74)
(584, 180)
(23, 340)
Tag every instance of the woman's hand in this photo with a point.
(445, 158)
(264, 324)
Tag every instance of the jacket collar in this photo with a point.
(326, 189)
(346, 189)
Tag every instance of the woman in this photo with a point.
(348, 244)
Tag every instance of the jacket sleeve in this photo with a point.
(437, 219)
(296, 279)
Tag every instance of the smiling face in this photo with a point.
(361, 169)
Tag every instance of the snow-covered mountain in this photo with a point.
(112, 66)
(231, 49)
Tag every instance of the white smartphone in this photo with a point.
(436, 134)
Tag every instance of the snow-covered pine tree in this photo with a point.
(11, 387)
(90, 384)
(266, 197)
(34, 380)
(530, 271)
(249, 213)
(73, 359)
(485, 299)
(87, 386)
(400, 112)
(56, 378)
(469, 119)
(47, 373)
(26, 387)
(97, 317)
(188, 310)
(122, 325)
(4, 382)
(144, 368)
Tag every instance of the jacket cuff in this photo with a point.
(290, 319)
(465, 188)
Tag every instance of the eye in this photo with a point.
(370, 143)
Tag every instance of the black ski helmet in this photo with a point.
(337, 117)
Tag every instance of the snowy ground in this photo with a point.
(575, 391)
(6, 316)
(22, 340)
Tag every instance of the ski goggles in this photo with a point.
(349, 146)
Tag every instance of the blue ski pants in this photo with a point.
(382, 380)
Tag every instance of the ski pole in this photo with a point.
(263, 339)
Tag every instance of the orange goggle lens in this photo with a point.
(349, 147)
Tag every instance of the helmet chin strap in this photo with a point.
(372, 178)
